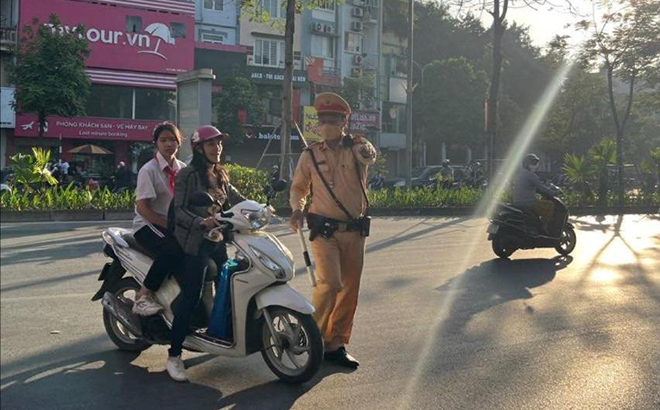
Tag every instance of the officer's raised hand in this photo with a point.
(296, 220)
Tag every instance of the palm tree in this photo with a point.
(30, 170)
(602, 155)
(579, 171)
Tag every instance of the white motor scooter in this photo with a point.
(267, 314)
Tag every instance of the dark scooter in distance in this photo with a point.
(514, 228)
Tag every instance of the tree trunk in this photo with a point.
(620, 127)
(498, 31)
(287, 90)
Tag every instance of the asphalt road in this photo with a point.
(442, 324)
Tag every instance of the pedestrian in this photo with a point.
(122, 176)
(338, 221)
(64, 168)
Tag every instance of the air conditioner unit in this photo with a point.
(357, 12)
(328, 29)
(356, 26)
(356, 72)
(359, 2)
(317, 27)
(358, 59)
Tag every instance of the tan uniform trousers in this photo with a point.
(339, 263)
(544, 209)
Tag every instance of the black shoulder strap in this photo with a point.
(327, 186)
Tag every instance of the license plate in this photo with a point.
(492, 228)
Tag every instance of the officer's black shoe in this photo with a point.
(342, 358)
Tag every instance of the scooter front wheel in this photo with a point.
(296, 355)
(567, 241)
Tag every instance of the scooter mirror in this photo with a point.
(279, 186)
(201, 198)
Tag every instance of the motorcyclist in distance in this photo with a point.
(527, 185)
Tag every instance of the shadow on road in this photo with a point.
(495, 282)
(275, 395)
(105, 380)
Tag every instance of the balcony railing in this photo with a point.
(8, 36)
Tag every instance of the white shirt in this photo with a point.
(64, 166)
(153, 184)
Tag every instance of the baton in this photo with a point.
(308, 261)
(301, 237)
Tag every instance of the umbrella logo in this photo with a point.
(162, 32)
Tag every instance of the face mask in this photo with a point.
(533, 167)
(330, 131)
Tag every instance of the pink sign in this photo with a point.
(123, 38)
(86, 128)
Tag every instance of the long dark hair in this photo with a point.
(202, 166)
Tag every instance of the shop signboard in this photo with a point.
(266, 75)
(86, 128)
(8, 116)
(123, 38)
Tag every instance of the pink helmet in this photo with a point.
(205, 133)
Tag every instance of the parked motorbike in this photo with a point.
(267, 315)
(513, 228)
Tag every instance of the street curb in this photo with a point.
(112, 215)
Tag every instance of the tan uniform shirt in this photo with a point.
(338, 169)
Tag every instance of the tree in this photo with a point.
(452, 103)
(579, 117)
(498, 10)
(601, 155)
(49, 72)
(359, 91)
(32, 169)
(238, 95)
(579, 171)
(253, 9)
(626, 45)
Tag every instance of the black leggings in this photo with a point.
(191, 279)
(169, 255)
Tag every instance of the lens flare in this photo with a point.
(486, 207)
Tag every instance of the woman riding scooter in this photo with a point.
(191, 224)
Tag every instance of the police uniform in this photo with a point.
(339, 258)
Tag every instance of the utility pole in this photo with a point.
(287, 91)
(409, 100)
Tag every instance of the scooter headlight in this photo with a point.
(269, 263)
(259, 219)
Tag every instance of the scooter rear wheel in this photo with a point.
(125, 290)
(299, 354)
(567, 241)
(502, 247)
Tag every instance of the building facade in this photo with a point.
(8, 39)
(137, 49)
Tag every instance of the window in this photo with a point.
(213, 38)
(153, 104)
(394, 118)
(108, 101)
(133, 24)
(273, 8)
(326, 5)
(269, 52)
(178, 30)
(353, 42)
(214, 4)
(323, 46)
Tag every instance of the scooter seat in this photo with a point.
(130, 240)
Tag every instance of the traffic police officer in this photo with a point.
(336, 168)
